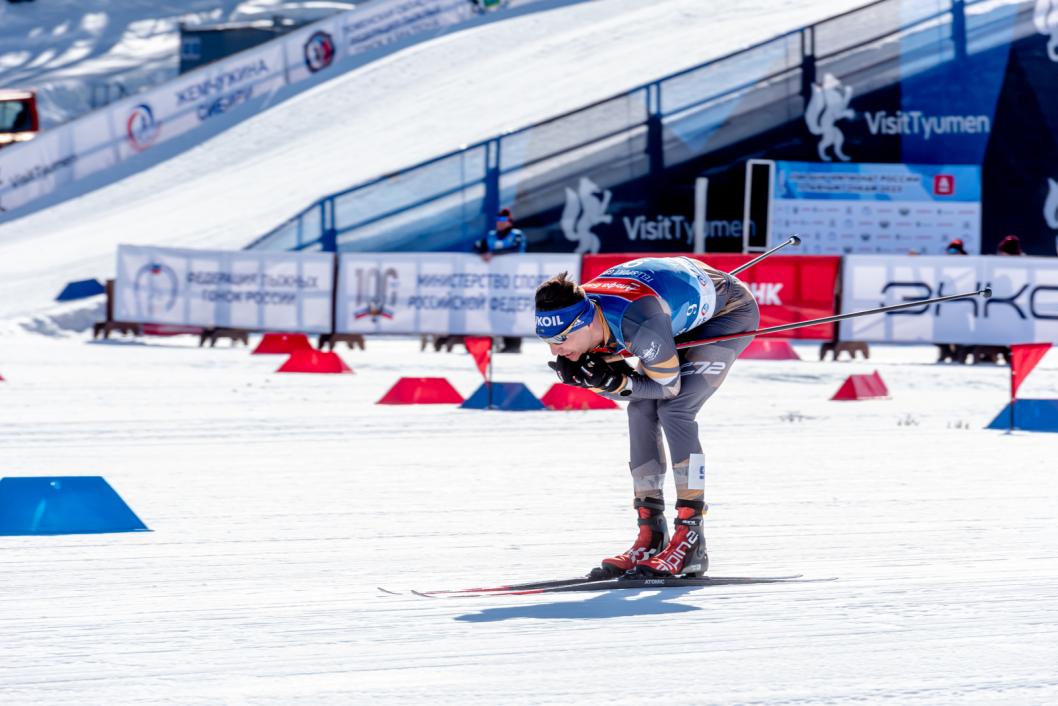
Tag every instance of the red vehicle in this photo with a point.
(19, 120)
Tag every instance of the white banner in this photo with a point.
(1023, 307)
(312, 49)
(443, 293)
(157, 115)
(377, 24)
(132, 125)
(238, 289)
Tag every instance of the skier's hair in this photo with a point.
(558, 293)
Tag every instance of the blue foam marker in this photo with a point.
(1029, 415)
(81, 289)
(507, 396)
(63, 505)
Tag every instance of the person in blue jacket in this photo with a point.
(642, 309)
(504, 239)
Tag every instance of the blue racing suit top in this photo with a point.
(682, 286)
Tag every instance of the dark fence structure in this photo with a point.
(916, 81)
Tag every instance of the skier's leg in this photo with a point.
(647, 463)
(646, 453)
(702, 370)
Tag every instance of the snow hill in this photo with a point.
(66, 49)
(410, 106)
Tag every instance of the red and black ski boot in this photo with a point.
(653, 536)
(685, 554)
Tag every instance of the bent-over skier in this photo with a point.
(641, 309)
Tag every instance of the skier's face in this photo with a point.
(576, 344)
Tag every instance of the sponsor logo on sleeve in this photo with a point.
(651, 352)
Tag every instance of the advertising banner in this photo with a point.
(312, 50)
(788, 288)
(443, 293)
(1023, 307)
(125, 128)
(238, 289)
(55, 157)
(377, 24)
(841, 208)
(180, 105)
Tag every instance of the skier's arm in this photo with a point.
(647, 330)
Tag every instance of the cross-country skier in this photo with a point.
(641, 309)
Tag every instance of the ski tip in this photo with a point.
(388, 592)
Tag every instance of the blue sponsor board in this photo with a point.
(846, 181)
(840, 208)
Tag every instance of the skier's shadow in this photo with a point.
(612, 604)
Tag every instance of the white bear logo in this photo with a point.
(829, 104)
(584, 210)
(1046, 20)
(1050, 208)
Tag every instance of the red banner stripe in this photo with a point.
(788, 288)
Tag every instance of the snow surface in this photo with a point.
(279, 502)
(416, 104)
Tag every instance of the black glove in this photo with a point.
(592, 370)
(603, 375)
(569, 371)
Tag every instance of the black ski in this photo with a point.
(655, 582)
(528, 586)
(589, 584)
(662, 582)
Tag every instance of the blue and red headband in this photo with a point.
(555, 326)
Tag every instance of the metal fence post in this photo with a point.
(958, 28)
(328, 233)
(491, 202)
(655, 148)
(808, 62)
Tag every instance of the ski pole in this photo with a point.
(986, 292)
(792, 240)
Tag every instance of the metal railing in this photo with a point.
(638, 134)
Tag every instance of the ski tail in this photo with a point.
(527, 586)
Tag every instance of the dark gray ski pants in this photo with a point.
(702, 370)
